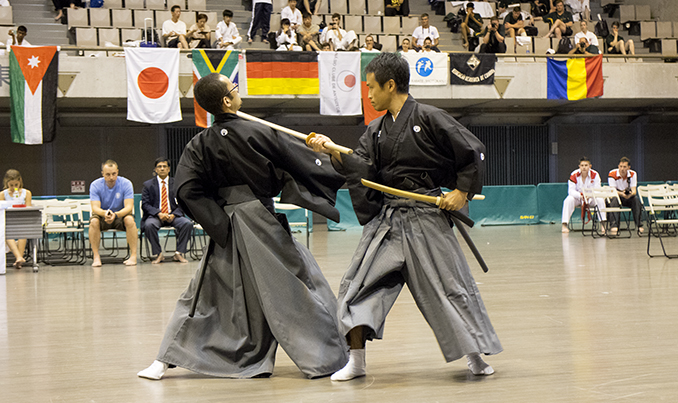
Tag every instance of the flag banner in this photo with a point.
(339, 86)
(574, 79)
(33, 79)
(153, 85)
(428, 68)
(278, 73)
(472, 69)
(369, 112)
(205, 62)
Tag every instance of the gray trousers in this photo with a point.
(182, 226)
(412, 242)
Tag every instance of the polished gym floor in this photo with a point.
(580, 319)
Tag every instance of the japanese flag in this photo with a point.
(153, 85)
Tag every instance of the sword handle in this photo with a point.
(331, 146)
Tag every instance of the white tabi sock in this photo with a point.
(155, 371)
(354, 368)
(477, 365)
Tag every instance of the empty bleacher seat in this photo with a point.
(278, 5)
(188, 17)
(77, 17)
(664, 29)
(627, 13)
(324, 7)
(113, 3)
(356, 7)
(122, 18)
(197, 5)
(392, 25)
(161, 16)
(669, 47)
(111, 35)
(524, 49)
(86, 37)
(339, 6)
(510, 45)
(275, 23)
(409, 24)
(158, 4)
(372, 24)
(99, 17)
(6, 16)
(353, 23)
(134, 4)
(130, 35)
(541, 45)
(140, 16)
(389, 43)
(543, 27)
(212, 18)
(643, 13)
(648, 30)
(375, 7)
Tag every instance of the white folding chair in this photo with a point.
(662, 208)
(294, 224)
(63, 224)
(608, 194)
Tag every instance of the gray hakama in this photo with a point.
(261, 287)
(412, 242)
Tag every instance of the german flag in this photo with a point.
(277, 73)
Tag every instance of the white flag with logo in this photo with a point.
(339, 74)
(153, 85)
(428, 68)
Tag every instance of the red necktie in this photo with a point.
(163, 206)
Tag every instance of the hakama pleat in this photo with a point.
(262, 289)
(414, 244)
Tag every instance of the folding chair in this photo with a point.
(198, 242)
(63, 221)
(294, 224)
(607, 194)
(662, 205)
(144, 240)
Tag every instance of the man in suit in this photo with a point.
(159, 204)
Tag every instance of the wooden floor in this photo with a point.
(581, 320)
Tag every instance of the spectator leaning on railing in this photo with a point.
(18, 38)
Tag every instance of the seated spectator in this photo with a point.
(580, 8)
(425, 31)
(112, 200)
(514, 24)
(292, 13)
(174, 30)
(369, 45)
(309, 6)
(396, 7)
(471, 26)
(493, 37)
(585, 33)
(615, 43)
(406, 47)
(625, 180)
(308, 33)
(580, 179)
(583, 47)
(18, 38)
(286, 38)
(261, 18)
(325, 47)
(13, 190)
(560, 21)
(160, 209)
(227, 33)
(502, 10)
(428, 47)
(200, 35)
(337, 37)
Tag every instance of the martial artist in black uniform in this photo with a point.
(418, 148)
(261, 287)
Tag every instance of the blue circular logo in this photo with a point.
(424, 67)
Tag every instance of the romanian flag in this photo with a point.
(575, 79)
(205, 62)
(33, 78)
(368, 110)
(276, 73)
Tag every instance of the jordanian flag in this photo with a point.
(277, 73)
(206, 62)
(33, 76)
(369, 112)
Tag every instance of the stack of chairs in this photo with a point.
(661, 205)
(63, 225)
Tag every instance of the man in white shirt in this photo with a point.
(580, 179)
(261, 18)
(227, 33)
(585, 33)
(425, 31)
(292, 13)
(17, 39)
(337, 37)
(369, 45)
(625, 180)
(174, 30)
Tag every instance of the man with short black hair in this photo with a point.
(261, 287)
(112, 200)
(583, 178)
(625, 180)
(513, 23)
(471, 26)
(309, 33)
(17, 38)
(493, 38)
(584, 48)
(292, 13)
(337, 37)
(227, 33)
(160, 209)
(418, 148)
(174, 30)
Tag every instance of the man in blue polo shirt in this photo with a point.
(112, 199)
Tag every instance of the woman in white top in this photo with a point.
(13, 190)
